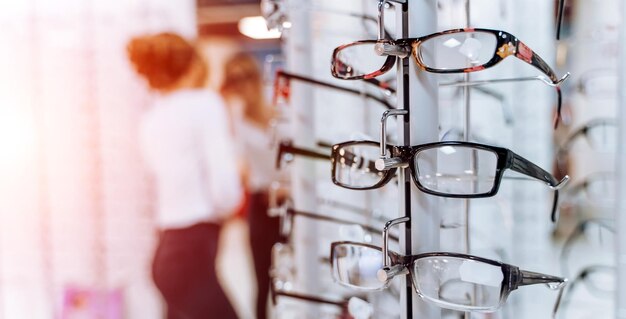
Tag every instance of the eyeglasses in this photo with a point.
(448, 169)
(596, 189)
(451, 51)
(599, 281)
(282, 88)
(287, 151)
(600, 134)
(599, 232)
(598, 84)
(448, 280)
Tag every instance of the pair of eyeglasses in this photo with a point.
(598, 84)
(449, 280)
(452, 51)
(600, 232)
(447, 169)
(598, 279)
(596, 189)
(600, 135)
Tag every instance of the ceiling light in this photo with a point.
(255, 27)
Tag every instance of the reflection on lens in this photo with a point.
(355, 166)
(459, 283)
(457, 51)
(356, 266)
(357, 60)
(456, 170)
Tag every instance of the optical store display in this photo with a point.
(412, 232)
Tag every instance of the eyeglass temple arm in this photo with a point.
(316, 216)
(311, 298)
(524, 53)
(526, 167)
(534, 278)
(377, 83)
(559, 18)
(287, 147)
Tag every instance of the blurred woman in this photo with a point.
(242, 88)
(186, 143)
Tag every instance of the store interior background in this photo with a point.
(75, 203)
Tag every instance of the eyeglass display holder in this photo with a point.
(620, 298)
(417, 92)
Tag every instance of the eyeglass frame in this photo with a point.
(506, 45)
(506, 159)
(575, 234)
(286, 147)
(290, 212)
(513, 277)
(384, 86)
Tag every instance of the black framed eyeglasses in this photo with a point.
(447, 169)
(449, 280)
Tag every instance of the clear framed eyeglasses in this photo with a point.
(449, 280)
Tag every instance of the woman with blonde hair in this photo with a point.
(187, 146)
(242, 88)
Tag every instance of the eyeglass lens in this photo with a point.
(358, 59)
(457, 170)
(357, 266)
(457, 51)
(458, 283)
(354, 166)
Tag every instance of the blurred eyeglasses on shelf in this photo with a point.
(598, 84)
(600, 135)
(595, 234)
(599, 281)
(287, 152)
(282, 89)
(347, 228)
(596, 191)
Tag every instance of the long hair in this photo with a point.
(243, 79)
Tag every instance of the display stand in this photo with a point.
(418, 94)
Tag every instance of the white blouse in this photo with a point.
(186, 143)
(258, 152)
